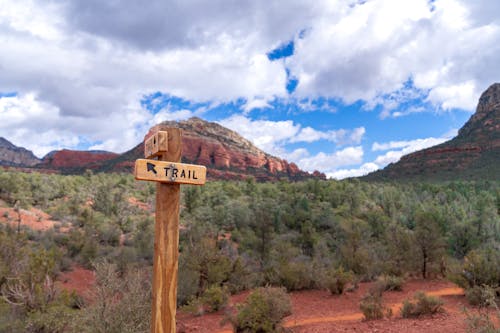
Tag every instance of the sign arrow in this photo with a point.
(151, 167)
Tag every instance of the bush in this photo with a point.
(295, 276)
(389, 283)
(482, 296)
(216, 298)
(372, 307)
(482, 322)
(421, 305)
(262, 312)
(213, 299)
(480, 267)
(337, 280)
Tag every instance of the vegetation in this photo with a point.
(263, 311)
(237, 236)
(372, 307)
(389, 283)
(421, 305)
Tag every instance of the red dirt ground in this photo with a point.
(316, 311)
(32, 218)
(79, 279)
(319, 312)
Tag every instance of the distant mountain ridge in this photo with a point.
(473, 154)
(11, 155)
(225, 153)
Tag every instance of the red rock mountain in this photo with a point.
(473, 154)
(225, 153)
(75, 159)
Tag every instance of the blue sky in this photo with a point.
(342, 86)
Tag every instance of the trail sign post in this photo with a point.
(165, 143)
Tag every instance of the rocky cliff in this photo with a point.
(74, 161)
(473, 154)
(11, 155)
(225, 153)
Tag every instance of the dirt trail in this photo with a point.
(358, 315)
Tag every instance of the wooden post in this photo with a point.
(166, 247)
(165, 143)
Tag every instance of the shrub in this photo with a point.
(213, 299)
(262, 312)
(484, 296)
(389, 283)
(421, 305)
(480, 267)
(295, 276)
(372, 307)
(481, 296)
(337, 280)
(216, 298)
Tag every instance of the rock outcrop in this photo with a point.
(74, 161)
(225, 153)
(473, 154)
(11, 155)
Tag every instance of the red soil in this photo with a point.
(319, 312)
(32, 218)
(79, 280)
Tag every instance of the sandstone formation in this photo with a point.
(473, 154)
(75, 160)
(225, 153)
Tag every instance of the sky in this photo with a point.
(341, 86)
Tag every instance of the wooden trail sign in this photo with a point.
(166, 144)
(170, 172)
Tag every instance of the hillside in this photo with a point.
(11, 155)
(473, 154)
(225, 153)
(74, 160)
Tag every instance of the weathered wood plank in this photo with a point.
(156, 144)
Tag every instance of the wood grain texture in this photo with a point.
(156, 144)
(166, 246)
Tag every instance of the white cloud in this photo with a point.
(394, 151)
(413, 144)
(462, 95)
(257, 103)
(407, 147)
(341, 136)
(370, 50)
(81, 66)
(357, 172)
(329, 163)
(271, 136)
(265, 134)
